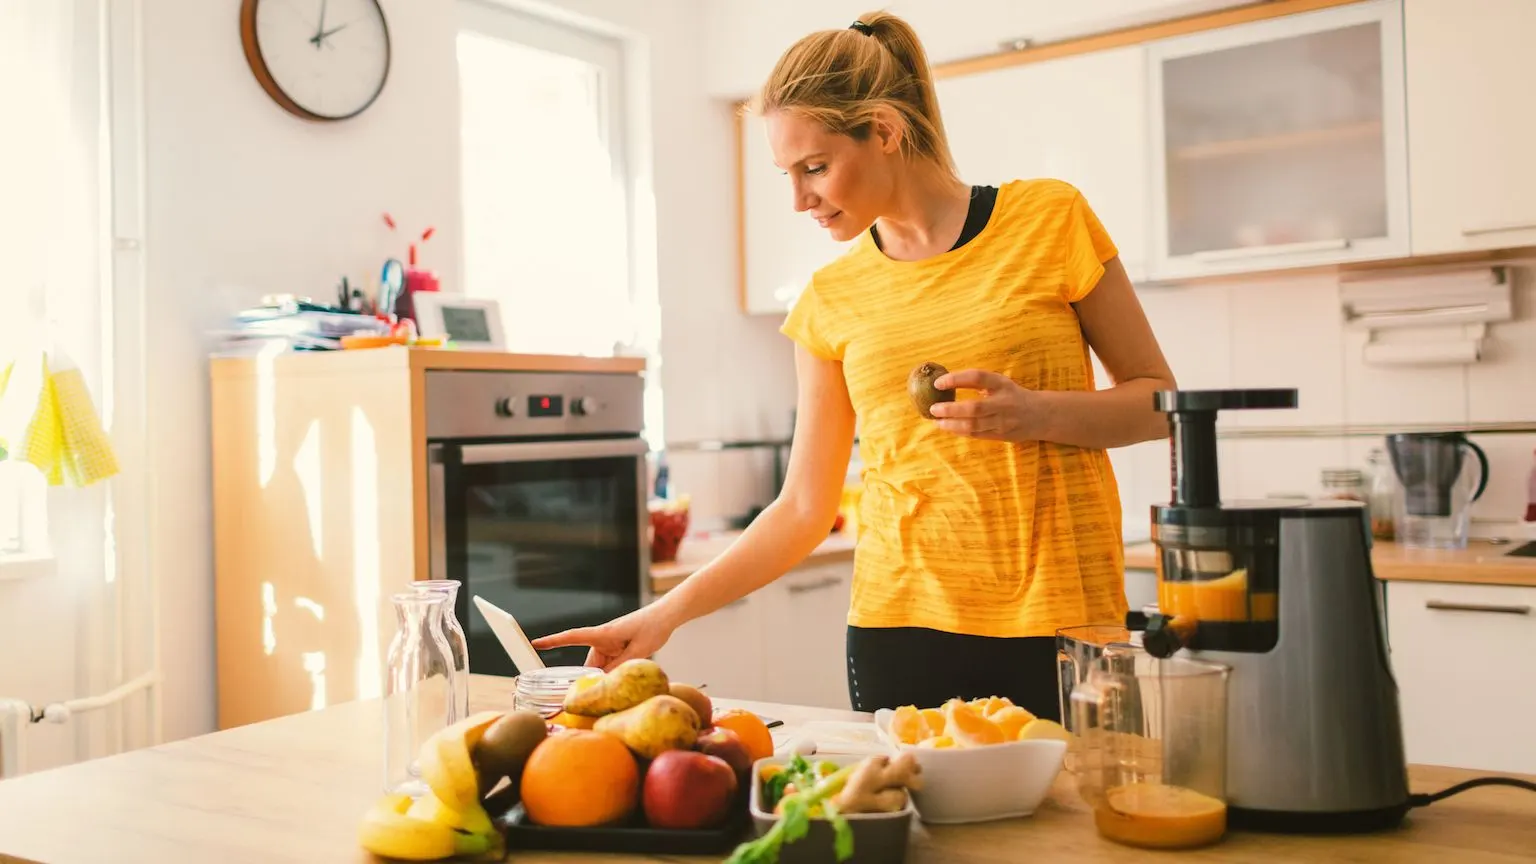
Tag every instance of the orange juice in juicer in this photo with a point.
(1280, 592)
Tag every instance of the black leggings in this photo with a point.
(893, 666)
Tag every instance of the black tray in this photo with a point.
(632, 835)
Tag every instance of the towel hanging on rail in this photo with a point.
(47, 419)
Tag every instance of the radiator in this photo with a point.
(16, 719)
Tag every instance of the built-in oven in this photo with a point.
(537, 501)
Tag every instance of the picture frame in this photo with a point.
(467, 322)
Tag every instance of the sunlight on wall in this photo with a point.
(306, 466)
(314, 664)
(268, 609)
(365, 554)
(310, 606)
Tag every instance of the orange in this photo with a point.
(1011, 720)
(908, 725)
(749, 728)
(573, 721)
(968, 727)
(935, 718)
(580, 778)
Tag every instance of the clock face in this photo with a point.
(320, 59)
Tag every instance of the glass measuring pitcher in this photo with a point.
(1077, 649)
(1151, 754)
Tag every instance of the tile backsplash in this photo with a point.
(1290, 333)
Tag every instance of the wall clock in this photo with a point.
(322, 60)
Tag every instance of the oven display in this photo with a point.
(546, 406)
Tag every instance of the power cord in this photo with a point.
(1423, 799)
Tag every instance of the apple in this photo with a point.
(727, 745)
(686, 789)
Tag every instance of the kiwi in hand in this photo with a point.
(924, 394)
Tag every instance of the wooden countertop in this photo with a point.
(293, 789)
(419, 359)
(695, 552)
(1480, 563)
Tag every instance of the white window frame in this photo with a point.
(623, 59)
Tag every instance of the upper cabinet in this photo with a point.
(1081, 119)
(1279, 143)
(1471, 133)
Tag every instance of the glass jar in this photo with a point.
(418, 692)
(453, 634)
(1346, 484)
(1382, 496)
(543, 690)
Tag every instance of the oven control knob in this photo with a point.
(504, 407)
(582, 406)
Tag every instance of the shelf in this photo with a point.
(1272, 143)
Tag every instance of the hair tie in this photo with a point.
(862, 28)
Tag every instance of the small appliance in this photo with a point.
(1439, 486)
(1282, 593)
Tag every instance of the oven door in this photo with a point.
(554, 532)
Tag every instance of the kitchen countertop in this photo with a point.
(1481, 563)
(696, 551)
(293, 789)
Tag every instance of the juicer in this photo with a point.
(1281, 592)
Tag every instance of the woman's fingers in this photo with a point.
(969, 409)
(973, 379)
(566, 638)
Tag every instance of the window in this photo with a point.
(548, 189)
(53, 227)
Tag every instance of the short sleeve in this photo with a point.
(1088, 247)
(806, 324)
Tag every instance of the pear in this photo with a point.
(623, 687)
(658, 724)
(920, 388)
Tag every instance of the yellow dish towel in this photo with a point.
(47, 419)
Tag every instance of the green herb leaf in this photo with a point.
(842, 832)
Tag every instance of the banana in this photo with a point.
(446, 766)
(387, 830)
(474, 819)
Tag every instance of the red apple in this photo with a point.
(727, 745)
(687, 789)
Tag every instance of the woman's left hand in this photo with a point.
(1006, 411)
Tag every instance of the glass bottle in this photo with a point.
(458, 645)
(1382, 496)
(418, 691)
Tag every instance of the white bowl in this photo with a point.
(980, 784)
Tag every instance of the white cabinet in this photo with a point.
(1471, 134)
(723, 650)
(1280, 143)
(1081, 119)
(1462, 658)
(805, 644)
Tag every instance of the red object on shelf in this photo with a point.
(668, 528)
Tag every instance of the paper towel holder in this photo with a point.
(1427, 319)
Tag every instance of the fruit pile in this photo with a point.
(631, 746)
(977, 723)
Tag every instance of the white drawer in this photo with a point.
(1465, 661)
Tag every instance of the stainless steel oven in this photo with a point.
(538, 501)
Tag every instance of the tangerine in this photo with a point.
(749, 728)
(908, 725)
(580, 778)
(968, 727)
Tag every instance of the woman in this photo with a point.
(984, 530)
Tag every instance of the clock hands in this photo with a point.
(320, 33)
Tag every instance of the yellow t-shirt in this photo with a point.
(960, 534)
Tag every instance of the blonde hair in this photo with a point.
(843, 78)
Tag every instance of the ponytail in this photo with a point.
(844, 78)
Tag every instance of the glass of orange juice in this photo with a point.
(1151, 756)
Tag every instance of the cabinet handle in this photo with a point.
(1477, 607)
(1498, 229)
(1271, 251)
(816, 586)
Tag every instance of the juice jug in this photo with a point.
(1150, 749)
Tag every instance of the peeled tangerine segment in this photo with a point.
(1044, 729)
(1011, 719)
(908, 725)
(968, 728)
(1157, 816)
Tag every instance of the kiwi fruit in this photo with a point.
(506, 743)
(924, 394)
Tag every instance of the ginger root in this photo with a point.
(879, 784)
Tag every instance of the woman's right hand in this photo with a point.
(641, 633)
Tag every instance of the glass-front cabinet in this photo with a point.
(1280, 143)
